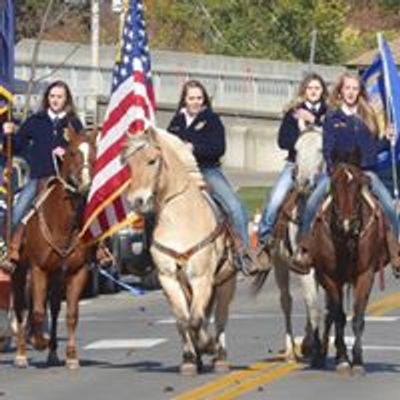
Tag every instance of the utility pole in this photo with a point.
(312, 48)
(95, 39)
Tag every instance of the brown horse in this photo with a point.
(53, 251)
(348, 246)
(191, 248)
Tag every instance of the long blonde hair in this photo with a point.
(301, 92)
(364, 109)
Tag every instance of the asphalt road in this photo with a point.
(129, 349)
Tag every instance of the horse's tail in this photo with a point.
(259, 281)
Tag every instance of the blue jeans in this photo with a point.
(314, 203)
(385, 199)
(224, 194)
(24, 201)
(281, 188)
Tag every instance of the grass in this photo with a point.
(253, 197)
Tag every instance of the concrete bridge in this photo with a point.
(249, 94)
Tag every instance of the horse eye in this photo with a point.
(152, 162)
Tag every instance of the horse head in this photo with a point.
(346, 186)
(77, 161)
(144, 158)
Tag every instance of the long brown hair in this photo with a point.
(364, 109)
(194, 84)
(301, 92)
(69, 106)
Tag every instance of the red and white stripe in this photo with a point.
(131, 109)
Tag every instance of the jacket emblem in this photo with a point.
(200, 125)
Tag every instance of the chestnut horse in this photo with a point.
(53, 251)
(348, 246)
(309, 164)
(191, 248)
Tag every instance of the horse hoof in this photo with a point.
(72, 364)
(358, 370)
(221, 366)
(21, 362)
(188, 369)
(343, 368)
(53, 360)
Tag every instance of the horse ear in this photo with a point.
(151, 134)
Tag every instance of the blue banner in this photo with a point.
(382, 83)
(7, 40)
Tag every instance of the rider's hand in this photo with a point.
(8, 128)
(390, 133)
(305, 115)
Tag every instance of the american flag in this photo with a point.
(130, 110)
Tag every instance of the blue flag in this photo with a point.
(7, 35)
(382, 83)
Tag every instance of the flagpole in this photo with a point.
(9, 166)
(389, 118)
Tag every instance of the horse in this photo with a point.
(191, 248)
(309, 164)
(348, 246)
(53, 254)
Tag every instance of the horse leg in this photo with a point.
(328, 321)
(179, 304)
(339, 318)
(55, 306)
(39, 294)
(362, 291)
(21, 313)
(224, 296)
(202, 289)
(311, 344)
(74, 286)
(282, 278)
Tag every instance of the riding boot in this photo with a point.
(10, 262)
(394, 252)
(246, 261)
(302, 260)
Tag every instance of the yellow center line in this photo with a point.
(251, 384)
(236, 383)
(384, 305)
(225, 381)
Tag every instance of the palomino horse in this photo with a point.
(190, 248)
(348, 245)
(55, 253)
(309, 164)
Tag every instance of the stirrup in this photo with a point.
(8, 265)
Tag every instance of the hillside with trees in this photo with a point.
(275, 29)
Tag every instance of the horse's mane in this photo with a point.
(168, 141)
(182, 151)
(309, 157)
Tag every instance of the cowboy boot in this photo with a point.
(246, 261)
(10, 262)
(302, 260)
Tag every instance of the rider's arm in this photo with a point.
(288, 132)
(328, 141)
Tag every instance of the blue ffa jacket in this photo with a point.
(343, 134)
(289, 130)
(38, 137)
(206, 133)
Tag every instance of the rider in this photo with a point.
(201, 128)
(350, 125)
(42, 136)
(308, 108)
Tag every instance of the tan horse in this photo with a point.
(56, 255)
(191, 249)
